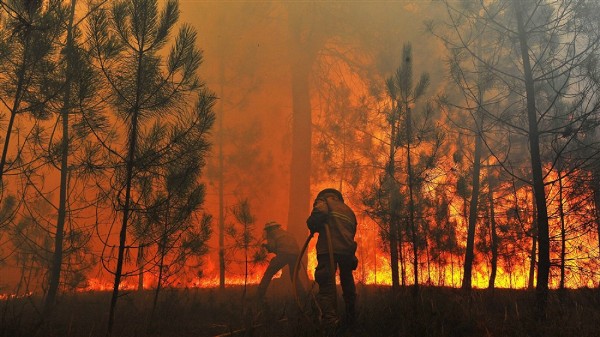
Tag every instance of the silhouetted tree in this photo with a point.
(80, 118)
(547, 41)
(244, 239)
(142, 85)
(27, 45)
(406, 96)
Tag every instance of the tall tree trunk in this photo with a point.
(125, 219)
(411, 202)
(221, 183)
(392, 203)
(536, 169)
(494, 234)
(533, 252)
(130, 163)
(304, 43)
(596, 191)
(299, 203)
(140, 264)
(473, 205)
(401, 257)
(161, 265)
(64, 170)
(563, 234)
(246, 268)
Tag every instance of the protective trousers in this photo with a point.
(326, 296)
(277, 263)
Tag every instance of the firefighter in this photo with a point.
(286, 250)
(329, 210)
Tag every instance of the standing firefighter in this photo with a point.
(336, 224)
(286, 250)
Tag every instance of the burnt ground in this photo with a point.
(433, 311)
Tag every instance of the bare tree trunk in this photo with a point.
(161, 264)
(301, 64)
(245, 272)
(221, 184)
(494, 234)
(392, 203)
(140, 264)
(411, 203)
(533, 252)
(428, 262)
(563, 235)
(536, 169)
(596, 191)
(64, 171)
(401, 257)
(474, 203)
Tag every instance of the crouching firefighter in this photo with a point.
(336, 224)
(286, 250)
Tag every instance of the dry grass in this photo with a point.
(210, 312)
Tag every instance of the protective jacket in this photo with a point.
(342, 226)
(280, 241)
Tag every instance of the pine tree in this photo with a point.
(127, 41)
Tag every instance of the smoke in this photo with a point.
(247, 63)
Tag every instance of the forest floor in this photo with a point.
(434, 311)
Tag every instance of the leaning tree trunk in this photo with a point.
(17, 98)
(536, 169)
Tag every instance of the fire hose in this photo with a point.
(332, 268)
(295, 279)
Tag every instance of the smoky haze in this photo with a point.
(249, 58)
(250, 54)
(303, 102)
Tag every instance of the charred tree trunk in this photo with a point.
(533, 252)
(596, 191)
(140, 264)
(221, 184)
(162, 249)
(473, 205)
(392, 202)
(469, 253)
(536, 169)
(411, 202)
(563, 234)
(401, 257)
(493, 235)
